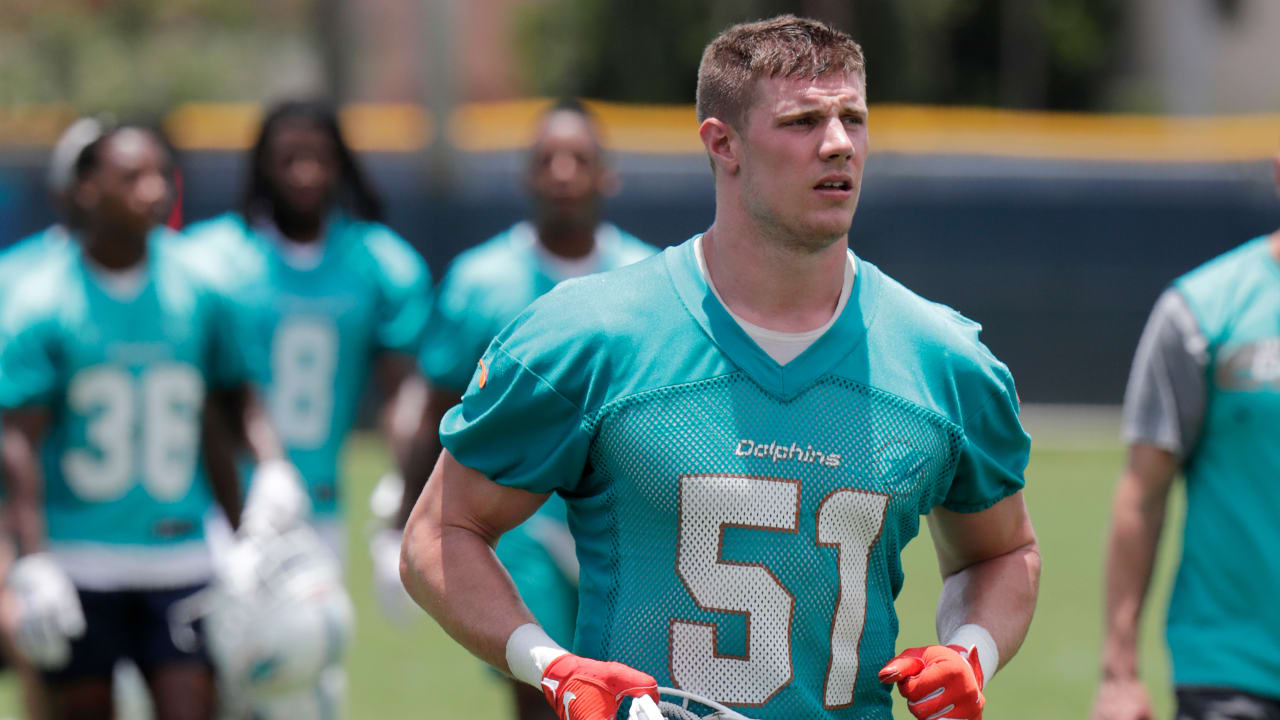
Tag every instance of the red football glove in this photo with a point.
(938, 681)
(583, 689)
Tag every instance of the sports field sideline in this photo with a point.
(419, 673)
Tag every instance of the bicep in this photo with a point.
(965, 539)
(461, 497)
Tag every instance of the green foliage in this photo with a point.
(143, 56)
(930, 51)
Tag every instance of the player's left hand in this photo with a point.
(938, 681)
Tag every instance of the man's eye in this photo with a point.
(854, 120)
(804, 121)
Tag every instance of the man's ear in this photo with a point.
(722, 143)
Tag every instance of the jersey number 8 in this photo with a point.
(304, 363)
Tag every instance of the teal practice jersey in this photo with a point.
(488, 286)
(15, 258)
(739, 523)
(316, 330)
(124, 381)
(484, 289)
(1223, 622)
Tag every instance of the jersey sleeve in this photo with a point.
(405, 292)
(232, 355)
(28, 363)
(1164, 403)
(456, 336)
(514, 427)
(993, 458)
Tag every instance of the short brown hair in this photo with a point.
(784, 46)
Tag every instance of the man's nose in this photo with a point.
(836, 143)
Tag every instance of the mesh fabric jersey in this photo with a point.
(316, 331)
(484, 289)
(739, 523)
(124, 381)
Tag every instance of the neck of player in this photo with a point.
(771, 284)
(298, 227)
(567, 241)
(114, 250)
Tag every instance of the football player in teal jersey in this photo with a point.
(746, 430)
(113, 451)
(334, 296)
(1203, 402)
(13, 262)
(484, 289)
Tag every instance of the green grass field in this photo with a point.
(419, 672)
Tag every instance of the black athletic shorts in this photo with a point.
(130, 624)
(1213, 703)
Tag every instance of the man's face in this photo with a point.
(302, 168)
(129, 191)
(567, 173)
(804, 146)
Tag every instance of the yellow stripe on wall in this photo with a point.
(503, 126)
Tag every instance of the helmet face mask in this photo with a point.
(678, 704)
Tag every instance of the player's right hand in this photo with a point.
(1122, 699)
(49, 615)
(583, 689)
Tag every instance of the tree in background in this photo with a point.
(143, 56)
(1055, 54)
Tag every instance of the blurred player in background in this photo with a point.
(746, 430)
(1204, 401)
(333, 296)
(13, 262)
(485, 289)
(113, 352)
(336, 296)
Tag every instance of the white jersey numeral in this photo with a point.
(304, 364)
(173, 397)
(707, 504)
(171, 401)
(851, 521)
(848, 519)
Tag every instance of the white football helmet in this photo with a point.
(276, 618)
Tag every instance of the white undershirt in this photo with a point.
(558, 266)
(122, 285)
(783, 347)
(298, 255)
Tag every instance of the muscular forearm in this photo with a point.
(453, 574)
(218, 448)
(1137, 519)
(21, 468)
(998, 594)
(447, 561)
